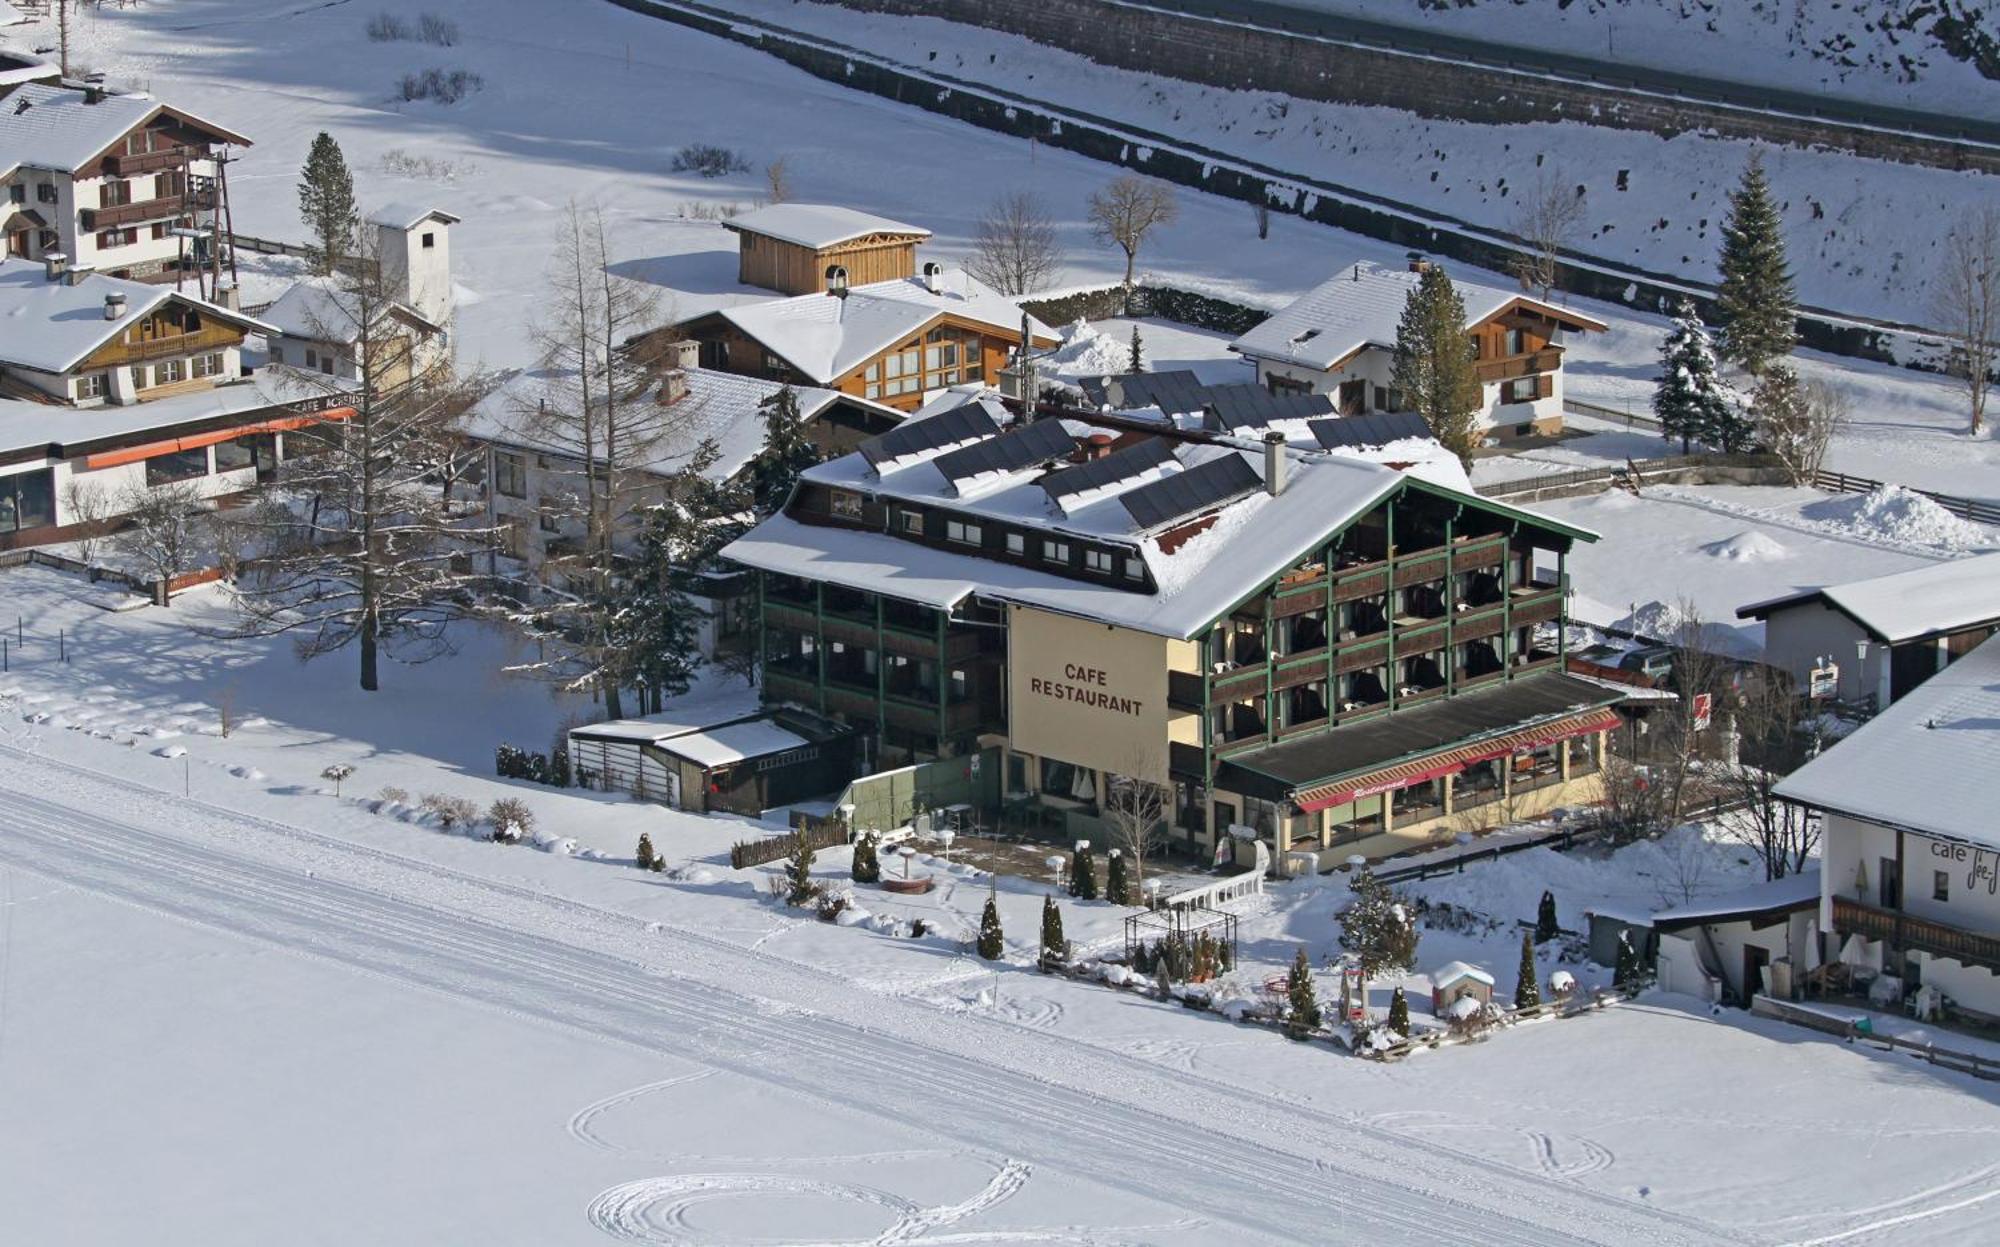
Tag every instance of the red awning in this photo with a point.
(168, 446)
(1450, 761)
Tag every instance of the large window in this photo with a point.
(169, 371)
(510, 475)
(962, 532)
(27, 500)
(90, 385)
(232, 455)
(181, 465)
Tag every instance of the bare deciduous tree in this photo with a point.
(1635, 802)
(1549, 214)
(1136, 810)
(1129, 209)
(164, 529)
(603, 425)
(1016, 251)
(1776, 733)
(356, 546)
(89, 507)
(778, 181)
(1685, 866)
(1967, 297)
(1798, 420)
(1697, 670)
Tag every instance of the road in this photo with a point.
(1264, 1168)
(1614, 75)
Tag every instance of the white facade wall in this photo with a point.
(1375, 368)
(1794, 637)
(1850, 846)
(1693, 959)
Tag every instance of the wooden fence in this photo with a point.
(42, 558)
(1964, 1062)
(757, 852)
(1631, 470)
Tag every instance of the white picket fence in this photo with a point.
(1209, 895)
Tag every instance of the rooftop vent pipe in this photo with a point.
(1274, 463)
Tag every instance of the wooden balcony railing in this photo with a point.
(1851, 917)
(125, 165)
(164, 209)
(1547, 360)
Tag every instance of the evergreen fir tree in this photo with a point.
(787, 452)
(646, 855)
(1626, 976)
(1083, 875)
(1528, 990)
(1399, 1013)
(1434, 363)
(1376, 927)
(1302, 1018)
(1545, 919)
(803, 889)
(1691, 400)
(656, 626)
(326, 202)
(991, 945)
(1117, 884)
(867, 865)
(1756, 303)
(1055, 948)
(1136, 358)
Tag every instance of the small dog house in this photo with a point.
(1457, 981)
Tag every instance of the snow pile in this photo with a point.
(1895, 514)
(1090, 352)
(1748, 546)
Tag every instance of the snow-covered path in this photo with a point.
(1254, 1163)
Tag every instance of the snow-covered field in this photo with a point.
(214, 1002)
(1862, 234)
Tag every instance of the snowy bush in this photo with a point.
(441, 31)
(337, 772)
(710, 160)
(511, 819)
(446, 86)
(430, 28)
(389, 794)
(451, 813)
(388, 28)
(399, 163)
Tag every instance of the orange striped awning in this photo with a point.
(171, 445)
(1451, 761)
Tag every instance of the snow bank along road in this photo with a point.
(1255, 1167)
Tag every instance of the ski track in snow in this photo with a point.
(583, 1126)
(1263, 1164)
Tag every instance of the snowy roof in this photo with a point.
(50, 127)
(9, 14)
(1452, 971)
(826, 337)
(719, 746)
(313, 309)
(18, 67)
(407, 215)
(718, 406)
(1360, 308)
(58, 427)
(1925, 763)
(1901, 606)
(50, 326)
(1254, 535)
(817, 225)
(1795, 891)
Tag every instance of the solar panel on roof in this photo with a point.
(1013, 450)
(1119, 465)
(1195, 490)
(1174, 391)
(1374, 429)
(913, 437)
(1253, 406)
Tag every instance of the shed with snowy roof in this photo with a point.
(742, 765)
(1457, 981)
(792, 247)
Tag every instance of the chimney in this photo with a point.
(93, 95)
(932, 271)
(673, 388)
(114, 305)
(1274, 463)
(74, 274)
(52, 265)
(1097, 446)
(684, 354)
(228, 295)
(1417, 262)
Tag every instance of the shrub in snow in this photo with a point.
(799, 887)
(991, 943)
(1545, 919)
(1377, 927)
(441, 31)
(1562, 985)
(451, 813)
(1399, 1013)
(388, 28)
(831, 905)
(1055, 948)
(445, 86)
(1302, 1016)
(1117, 883)
(710, 160)
(867, 864)
(511, 819)
(1083, 873)
(645, 857)
(1527, 989)
(919, 928)
(389, 795)
(337, 772)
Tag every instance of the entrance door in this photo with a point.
(1889, 891)
(1754, 961)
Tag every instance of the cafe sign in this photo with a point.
(1087, 694)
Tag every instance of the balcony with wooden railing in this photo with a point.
(1549, 359)
(125, 165)
(142, 211)
(1940, 939)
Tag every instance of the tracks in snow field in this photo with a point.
(1260, 1166)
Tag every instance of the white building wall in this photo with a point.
(1375, 367)
(1794, 637)
(1972, 895)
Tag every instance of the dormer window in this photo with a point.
(1098, 561)
(962, 532)
(913, 523)
(1055, 552)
